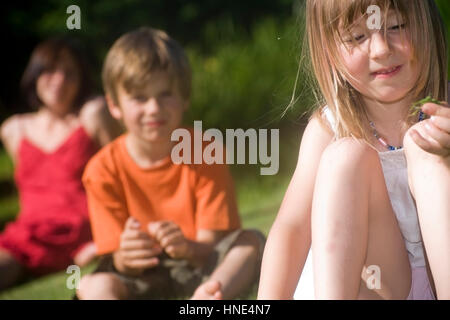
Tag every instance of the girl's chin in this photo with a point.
(388, 96)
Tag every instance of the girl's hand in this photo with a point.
(433, 135)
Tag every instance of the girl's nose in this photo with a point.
(379, 47)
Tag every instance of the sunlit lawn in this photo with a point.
(259, 198)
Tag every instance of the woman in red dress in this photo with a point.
(50, 148)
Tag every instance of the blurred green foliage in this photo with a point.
(201, 26)
(246, 83)
(244, 54)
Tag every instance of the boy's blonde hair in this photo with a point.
(324, 19)
(137, 55)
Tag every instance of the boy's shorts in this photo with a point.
(174, 278)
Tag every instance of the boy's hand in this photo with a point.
(137, 252)
(170, 238)
(433, 135)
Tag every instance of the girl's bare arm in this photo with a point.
(290, 236)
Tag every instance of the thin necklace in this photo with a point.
(383, 141)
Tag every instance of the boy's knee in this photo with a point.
(348, 154)
(101, 285)
(252, 239)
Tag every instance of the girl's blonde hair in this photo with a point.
(324, 19)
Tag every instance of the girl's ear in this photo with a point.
(113, 108)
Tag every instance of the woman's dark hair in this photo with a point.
(43, 57)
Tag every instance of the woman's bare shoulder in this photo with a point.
(13, 129)
(98, 122)
(14, 126)
(92, 107)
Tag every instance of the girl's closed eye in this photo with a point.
(357, 37)
(354, 37)
(397, 27)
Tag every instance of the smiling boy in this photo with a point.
(164, 229)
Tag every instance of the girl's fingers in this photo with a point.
(438, 135)
(442, 123)
(436, 109)
(426, 144)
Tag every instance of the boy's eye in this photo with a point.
(165, 94)
(140, 99)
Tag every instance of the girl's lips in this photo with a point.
(387, 75)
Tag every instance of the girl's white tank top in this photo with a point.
(396, 177)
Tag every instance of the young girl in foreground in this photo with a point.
(370, 194)
(50, 148)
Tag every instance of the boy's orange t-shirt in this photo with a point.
(194, 196)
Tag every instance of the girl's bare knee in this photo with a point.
(348, 154)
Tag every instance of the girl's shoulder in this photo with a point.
(315, 138)
(323, 119)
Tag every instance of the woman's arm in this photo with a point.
(98, 122)
(10, 133)
(289, 239)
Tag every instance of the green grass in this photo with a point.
(6, 166)
(9, 207)
(266, 201)
(259, 198)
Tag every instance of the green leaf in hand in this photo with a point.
(417, 106)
